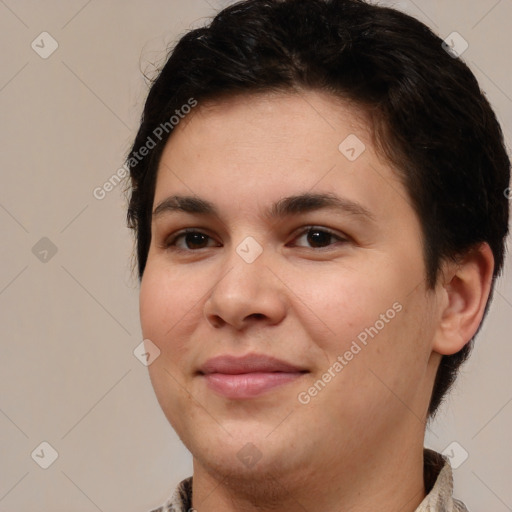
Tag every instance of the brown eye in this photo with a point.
(318, 238)
(193, 240)
(188, 241)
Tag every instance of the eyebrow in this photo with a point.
(285, 207)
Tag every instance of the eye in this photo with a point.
(320, 237)
(191, 240)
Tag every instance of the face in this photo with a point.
(299, 243)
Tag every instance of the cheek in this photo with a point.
(162, 303)
(163, 313)
(153, 301)
(341, 303)
(170, 305)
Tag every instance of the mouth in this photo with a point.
(248, 376)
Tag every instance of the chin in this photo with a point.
(248, 454)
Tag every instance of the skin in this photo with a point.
(358, 444)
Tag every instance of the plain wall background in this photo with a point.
(69, 324)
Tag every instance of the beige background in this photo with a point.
(70, 324)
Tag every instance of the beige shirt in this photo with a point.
(438, 484)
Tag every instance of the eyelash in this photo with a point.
(169, 244)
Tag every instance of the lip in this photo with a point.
(248, 376)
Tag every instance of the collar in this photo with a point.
(438, 485)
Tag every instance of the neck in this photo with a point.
(387, 480)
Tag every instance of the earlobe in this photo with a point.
(465, 287)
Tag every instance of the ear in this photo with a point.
(463, 294)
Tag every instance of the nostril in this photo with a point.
(257, 316)
(217, 321)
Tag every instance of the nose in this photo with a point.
(247, 294)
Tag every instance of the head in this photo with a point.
(267, 96)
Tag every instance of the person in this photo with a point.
(318, 195)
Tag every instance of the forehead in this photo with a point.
(277, 117)
(264, 145)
